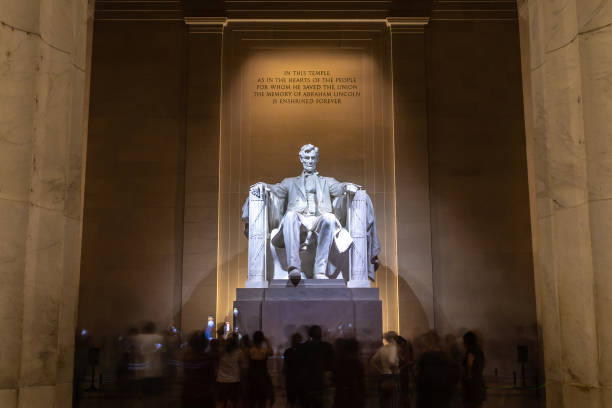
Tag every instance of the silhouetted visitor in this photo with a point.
(348, 375)
(315, 361)
(437, 376)
(172, 340)
(406, 364)
(245, 345)
(149, 359)
(474, 392)
(217, 345)
(291, 370)
(199, 373)
(82, 343)
(260, 384)
(386, 363)
(125, 373)
(453, 348)
(231, 360)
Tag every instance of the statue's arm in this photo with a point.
(275, 202)
(280, 190)
(336, 188)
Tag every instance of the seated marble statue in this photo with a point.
(310, 210)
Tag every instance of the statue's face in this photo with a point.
(309, 161)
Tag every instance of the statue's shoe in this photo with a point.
(320, 276)
(295, 276)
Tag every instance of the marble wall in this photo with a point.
(135, 184)
(260, 141)
(481, 246)
(567, 70)
(44, 83)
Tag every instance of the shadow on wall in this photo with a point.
(412, 316)
(199, 301)
(502, 349)
(207, 295)
(513, 360)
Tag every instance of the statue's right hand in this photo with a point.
(257, 189)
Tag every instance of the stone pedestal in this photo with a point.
(283, 309)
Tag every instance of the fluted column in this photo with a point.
(416, 280)
(44, 66)
(357, 223)
(200, 240)
(566, 49)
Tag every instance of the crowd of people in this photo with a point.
(231, 370)
(436, 372)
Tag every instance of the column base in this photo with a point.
(358, 284)
(256, 284)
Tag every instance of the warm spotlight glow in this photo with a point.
(282, 91)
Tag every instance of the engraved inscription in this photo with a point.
(306, 87)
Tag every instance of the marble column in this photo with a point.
(199, 284)
(44, 65)
(566, 49)
(415, 270)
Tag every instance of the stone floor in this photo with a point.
(498, 398)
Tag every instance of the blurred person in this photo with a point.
(217, 345)
(452, 348)
(245, 345)
(315, 360)
(199, 373)
(172, 341)
(291, 370)
(349, 376)
(406, 364)
(82, 343)
(437, 375)
(231, 361)
(260, 384)
(149, 353)
(125, 373)
(386, 363)
(474, 392)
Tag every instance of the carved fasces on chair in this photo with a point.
(258, 238)
(357, 226)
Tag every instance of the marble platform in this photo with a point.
(283, 309)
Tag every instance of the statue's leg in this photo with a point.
(326, 225)
(291, 235)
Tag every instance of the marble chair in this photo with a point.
(348, 258)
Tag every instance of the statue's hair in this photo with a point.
(307, 148)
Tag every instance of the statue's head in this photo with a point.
(309, 156)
